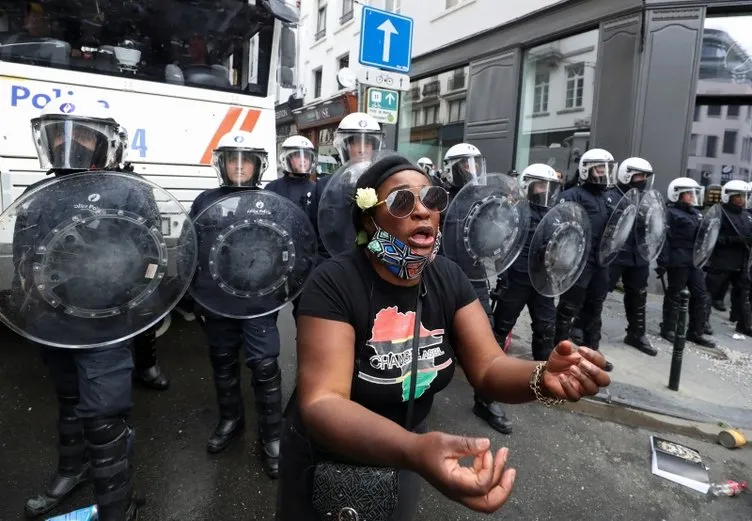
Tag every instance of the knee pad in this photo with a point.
(265, 370)
(101, 431)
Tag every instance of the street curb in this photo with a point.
(629, 417)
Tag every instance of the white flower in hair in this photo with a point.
(366, 198)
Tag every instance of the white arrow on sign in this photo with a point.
(390, 97)
(388, 29)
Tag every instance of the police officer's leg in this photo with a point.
(105, 382)
(72, 467)
(740, 301)
(570, 304)
(543, 314)
(698, 304)
(596, 294)
(147, 371)
(635, 304)
(615, 272)
(224, 336)
(719, 295)
(261, 344)
(676, 281)
(716, 281)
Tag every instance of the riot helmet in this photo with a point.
(636, 172)
(239, 160)
(597, 167)
(426, 164)
(463, 163)
(735, 188)
(75, 133)
(540, 184)
(358, 137)
(298, 156)
(685, 185)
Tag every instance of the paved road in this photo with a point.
(570, 467)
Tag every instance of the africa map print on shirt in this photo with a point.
(392, 344)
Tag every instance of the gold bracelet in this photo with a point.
(535, 384)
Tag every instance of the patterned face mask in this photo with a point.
(398, 257)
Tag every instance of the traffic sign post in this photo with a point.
(382, 104)
(386, 40)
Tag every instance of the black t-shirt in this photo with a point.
(347, 289)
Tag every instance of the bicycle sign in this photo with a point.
(373, 77)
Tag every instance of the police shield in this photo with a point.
(485, 226)
(651, 225)
(256, 249)
(619, 226)
(335, 208)
(93, 259)
(559, 249)
(707, 235)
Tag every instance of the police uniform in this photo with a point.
(677, 261)
(728, 263)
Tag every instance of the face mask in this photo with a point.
(79, 155)
(398, 257)
(640, 185)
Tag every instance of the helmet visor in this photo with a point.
(358, 146)
(743, 194)
(600, 172)
(239, 167)
(298, 161)
(463, 170)
(692, 196)
(543, 192)
(77, 144)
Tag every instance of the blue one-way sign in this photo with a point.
(386, 40)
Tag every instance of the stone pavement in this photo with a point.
(715, 384)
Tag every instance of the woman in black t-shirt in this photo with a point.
(356, 323)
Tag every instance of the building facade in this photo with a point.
(667, 80)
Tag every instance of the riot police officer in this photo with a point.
(630, 266)
(93, 385)
(728, 263)
(677, 262)
(357, 138)
(464, 163)
(427, 165)
(596, 172)
(240, 163)
(541, 186)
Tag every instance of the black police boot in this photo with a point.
(636, 305)
(112, 468)
(72, 467)
(719, 305)
(543, 346)
(670, 317)
(147, 371)
(229, 399)
(267, 386)
(700, 339)
(493, 414)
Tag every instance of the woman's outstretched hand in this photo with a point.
(573, 372)
(484, 486)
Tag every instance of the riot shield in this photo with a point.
(707, 236)
(256, 249)
(651, 225)
(335, 208)
(485, 226)
(619, 226)
(559, 249)
(93, 259)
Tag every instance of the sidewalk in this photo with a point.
(715, 386)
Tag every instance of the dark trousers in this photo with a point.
(512, 299)
(719, 280)
(634, 278)
(585, 299)
(259, 337)
(691, 278)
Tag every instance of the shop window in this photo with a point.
(457, 110)
(317, 82)
(729, 141)
(432, 119)
(724, 91)
(556, 102)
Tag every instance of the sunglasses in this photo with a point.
(401, 203)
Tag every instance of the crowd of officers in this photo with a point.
(95, 439)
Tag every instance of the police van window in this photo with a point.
(218, 45)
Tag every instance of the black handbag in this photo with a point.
(344, 492)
